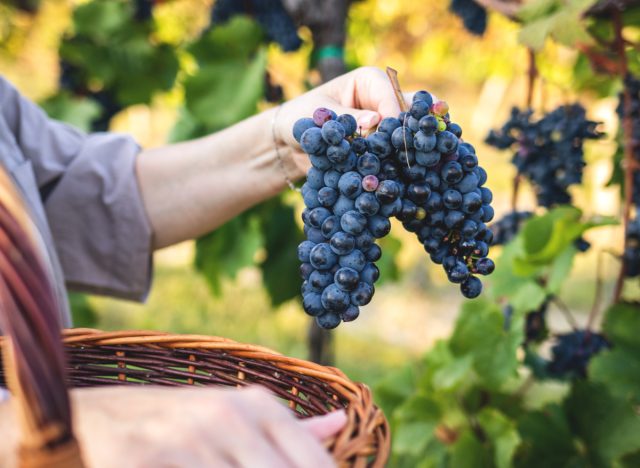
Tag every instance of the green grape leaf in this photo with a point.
(469, 452)
(559, 269)
(619, 370)
(503, 433)
(453, 374)
(535, 33)
(622, 326)
(281, 235)
(224, 93)
(76, 111)
(395, 388)
(231, 247)
(387, 264)
(237, 40)
(528, 297)
(155, 69)
(480, 332)
(607, 425)
(412, 437)
(536, 9)
(101, 20)
(546, 440)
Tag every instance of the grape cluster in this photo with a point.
(473, 15)
(414, 168)
(548, 152)
(572, 352)
(508, 226)
(270, 14)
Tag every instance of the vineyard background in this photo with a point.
(236, 295)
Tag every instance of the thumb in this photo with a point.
(323, 427)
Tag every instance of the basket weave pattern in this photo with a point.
(146, 357)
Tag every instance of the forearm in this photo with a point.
(192, 188)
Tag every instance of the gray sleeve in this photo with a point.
(91, 198)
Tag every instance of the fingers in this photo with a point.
(301, 448)
(323, 427)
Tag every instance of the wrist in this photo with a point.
(285, 154)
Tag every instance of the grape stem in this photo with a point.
(395, 84)
(627, 142)
(598, 294)
(566, 312)
(532, 75)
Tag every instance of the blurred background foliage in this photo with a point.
(172, 76)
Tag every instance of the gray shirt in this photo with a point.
(82, 193)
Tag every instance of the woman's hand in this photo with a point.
(366, 93)
(194, 427)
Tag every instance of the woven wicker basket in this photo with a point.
(36, 367)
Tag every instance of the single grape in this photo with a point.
(374, 253)
(311, 141)
(348, 123)
(471, 287)
(347, 278)
(359, 145)
(451, 172)
(328, 320)
(387, 191)
(343, 205)
(427, 159)
(424, 142)
(300, 126)
(368, 164)
(333, 132)
(367, 204)
(380, 144)
(350, 314)
(388, 125)
(321, 115)
(353, 222)
(370, 273)
(322, 257)
(485, 266)
(379, 226)
(320, 162)
(312, 304)
(447, 142)
(339, 152)
(452, 199)
(455, 129)
(365, 240)
(428, 124)
(362, 294)
(327, 196)
(402, 138)
(334, 299)
(355, 259)
(342, 243)
(419, 109)
(423, 96)
(304, 249)
(458, 273)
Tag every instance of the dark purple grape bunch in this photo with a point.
(445, 202)
(549, 151)
(415, 168)
(347, 208)
(572, 352)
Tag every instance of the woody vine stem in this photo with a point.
(627, 142)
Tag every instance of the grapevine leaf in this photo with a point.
(73, 110)
(387, 265)
(469, 452)
(560, 269)
(101, 20)
(608, 426)
(222, 94)
(237, 39)
(222, 253)
(412, 437)
(546, 440)
(279, 269)
(528, 297)
(480, 331)
(395, 388)
(619, 370)
(418, 408)
(503, 434)
(538, 9)
(622, 326)
(534, 34)
(453, 374)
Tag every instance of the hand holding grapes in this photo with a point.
(366, 93)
